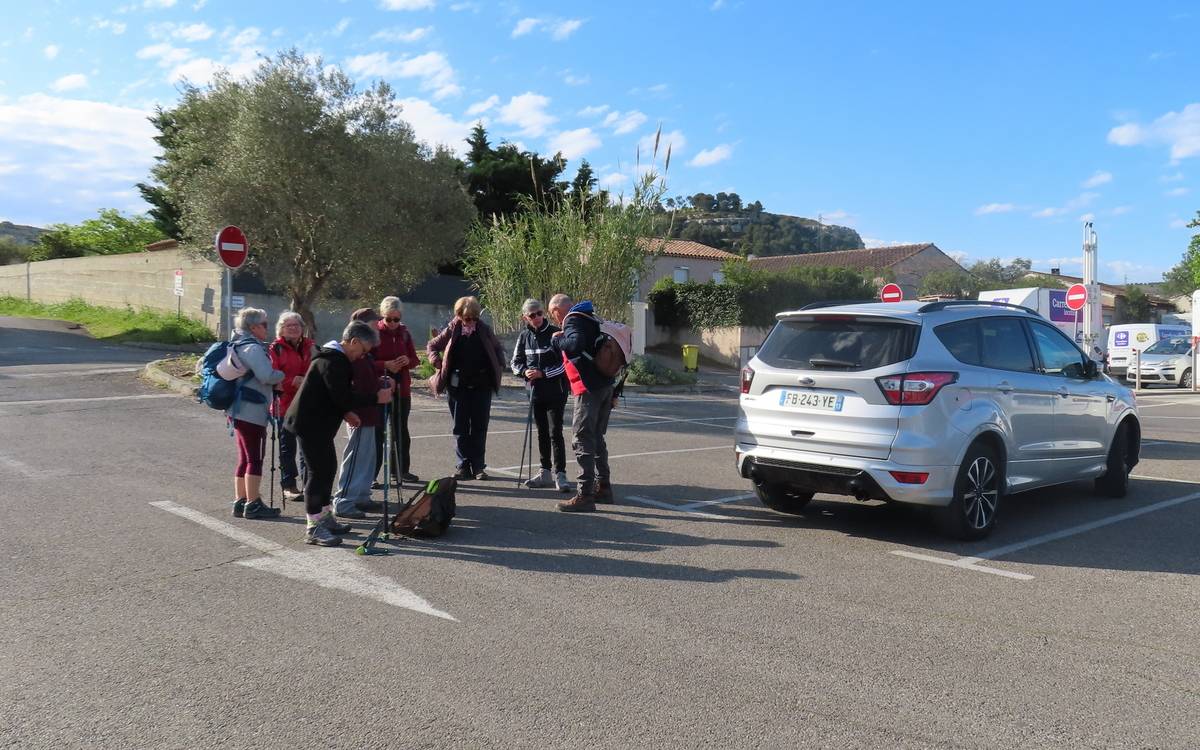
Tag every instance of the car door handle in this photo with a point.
(1110, 397)
(1005, 388)
(1062, 391)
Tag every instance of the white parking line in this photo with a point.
(718, 501)
(613, 424)
(70, 373)
(965, 563)
(670, 506)
(1190, 402)
(140, 397)
(512, 470)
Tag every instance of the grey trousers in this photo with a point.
(589, 423)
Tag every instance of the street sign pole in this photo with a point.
(227, 302)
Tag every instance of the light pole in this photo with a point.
(1092, 309)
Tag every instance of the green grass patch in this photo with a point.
(645, 371)
(113, 323)
(424, 371)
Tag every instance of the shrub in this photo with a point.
(645, 371)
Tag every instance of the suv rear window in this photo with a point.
(996, 342)
(837, 343)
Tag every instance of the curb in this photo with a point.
(154, 373)
(178, 348)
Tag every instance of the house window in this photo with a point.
(681, 274)
(718, 277)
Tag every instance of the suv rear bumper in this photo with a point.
(863, 478)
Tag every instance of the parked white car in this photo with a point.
(1168, 361)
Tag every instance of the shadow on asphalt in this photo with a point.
(544, 540)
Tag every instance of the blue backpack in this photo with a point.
(217, 392)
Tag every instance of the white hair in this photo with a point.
(288, 317)
(248, 317)
(390, 304)
(531, 305)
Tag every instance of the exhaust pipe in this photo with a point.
(857, 490)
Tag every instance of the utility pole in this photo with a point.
(1092, 309)
(820, 234)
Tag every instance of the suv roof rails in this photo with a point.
(943, 304)
(838, 302)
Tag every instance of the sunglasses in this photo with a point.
(536, 314)
(392, 320)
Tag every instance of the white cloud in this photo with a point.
(471, 6)
(624, 122)
(613, 179)
(674, 139)
(525, 26)
(341, 26)
(575, 143)
(833, 217)
(158, 3)
(194, 32)
(1080, 201)
(528, 113)
(558, 29)
(197, 71)
(1177, 224)
(479, 108)
(199, 4)
(873, 242)
(1098, 179)
(593, 111)
(406, 4)
(402, 35)
(432, 68)
(1178, 130)
(571, 79)
(1175, 177)
(717, 5)
(710, 156)
(995, 208)
(958, 256)
(70, 82)
(59, 143)
(1176, 192)
(50, 51)
(563, 29)
(115, 27)
(1121, 210)
(1089, 216)
(166, 54)
(434, 126)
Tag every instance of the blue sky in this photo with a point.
(990, 129)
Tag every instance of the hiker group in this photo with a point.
(301, 393)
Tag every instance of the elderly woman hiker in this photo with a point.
(395, 356)
(466, 357)
(541, 365)
(249, 414)
(327, 397)
(291, 352)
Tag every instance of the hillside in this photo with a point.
(24, 235)
(751, 231)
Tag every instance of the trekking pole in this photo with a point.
(529, 435)
(525, 440)
(380, 530)
(273, 416)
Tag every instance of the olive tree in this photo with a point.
(328, 182)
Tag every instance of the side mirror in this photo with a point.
(1090, 370)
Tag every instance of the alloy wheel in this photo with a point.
(980, 493)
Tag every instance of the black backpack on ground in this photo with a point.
(429, 512)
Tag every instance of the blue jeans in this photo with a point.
(358, 466)
(470, 408)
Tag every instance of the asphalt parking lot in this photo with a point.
(138, 613)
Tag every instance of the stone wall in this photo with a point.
(138, 280)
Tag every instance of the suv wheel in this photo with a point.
(977, 494)
(1115, 481)
(779, 497)
(1186, 380)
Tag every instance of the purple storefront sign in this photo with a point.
(1059, 312)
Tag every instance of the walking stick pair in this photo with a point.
(380, 531)
(527, 443)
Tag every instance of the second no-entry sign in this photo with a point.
(231, 246)
(1076, 297)
(891, 293)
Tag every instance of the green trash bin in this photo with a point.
(691, 358)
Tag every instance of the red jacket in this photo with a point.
(393, 344)
(293, 361)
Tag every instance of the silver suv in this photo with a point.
(944, 404)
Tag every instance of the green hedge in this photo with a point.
(752, 297)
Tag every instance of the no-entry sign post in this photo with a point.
(1076, 299)
(232, 248)
(891, 293)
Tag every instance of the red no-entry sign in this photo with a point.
(891, 293)
(231, 246)
(1076, 297)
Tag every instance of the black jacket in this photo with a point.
(535, 351)
(325, 396)
(578, 342)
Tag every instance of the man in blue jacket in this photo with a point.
(593, 394)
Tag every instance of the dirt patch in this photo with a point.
(183, 367)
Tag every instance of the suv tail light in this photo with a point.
(747, 379)
(914, 388)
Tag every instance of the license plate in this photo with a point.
(808, 400)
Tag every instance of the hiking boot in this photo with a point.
(545, 479)
(580, 503)
(335, 528)
(482, 476)
(561, 484)
(257, 509)
(321, 535)
(464, 473)
(408, 476)
(352, 512)
(604, 493)
(239, 507)
(367, 506)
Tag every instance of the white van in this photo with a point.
(1124, 339)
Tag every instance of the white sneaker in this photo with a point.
(561, 483)
(543, 479)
